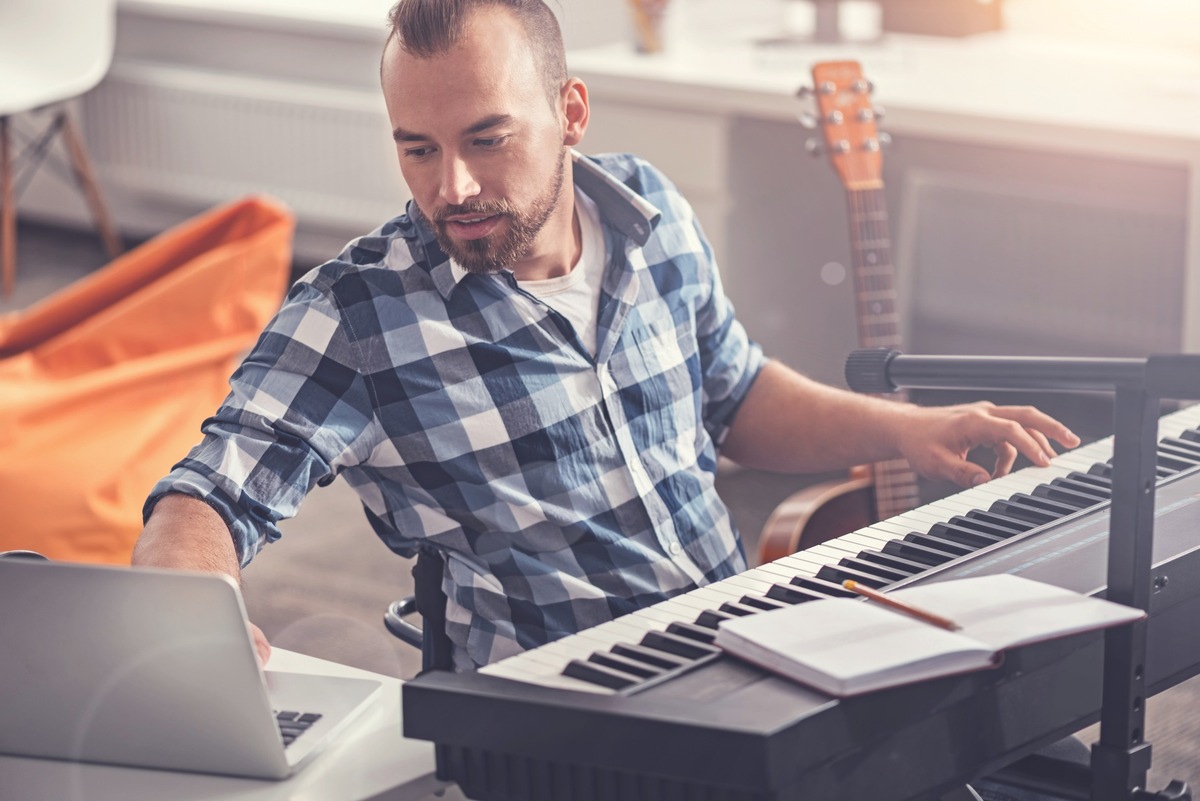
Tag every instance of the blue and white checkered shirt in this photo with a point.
(563, 490)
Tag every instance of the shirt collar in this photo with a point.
(619, 206)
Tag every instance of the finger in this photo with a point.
(1005, 456)
(1037, 420)
(262, 648)
(969, 474)
(1047, 448)
(1016, 435)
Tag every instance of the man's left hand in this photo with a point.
(937, 440)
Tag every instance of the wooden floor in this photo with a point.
(323, 587)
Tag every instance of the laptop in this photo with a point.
(153, 669)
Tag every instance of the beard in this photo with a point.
(497, 251)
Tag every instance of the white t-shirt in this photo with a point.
(576, 295)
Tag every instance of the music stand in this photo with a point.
(1121, 758)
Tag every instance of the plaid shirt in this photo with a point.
(562, 489)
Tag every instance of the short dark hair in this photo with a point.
(426, 28)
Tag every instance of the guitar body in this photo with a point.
(885, 489)
(818, 513)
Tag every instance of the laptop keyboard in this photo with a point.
(293, 724)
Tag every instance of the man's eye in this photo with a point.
(491, 141)
(417, 152)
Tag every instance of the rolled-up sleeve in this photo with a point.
(299, 410)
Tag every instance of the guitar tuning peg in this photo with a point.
(804, 92)
(863, 86)
(871, 145)
(885, 139)
(808, 120)
(835, 117)
(841, 146)
(865, 115)
(827, 87)
(815, 147)
(879, 111)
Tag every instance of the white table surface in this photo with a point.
(371, 761)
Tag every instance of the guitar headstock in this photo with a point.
(848, 122)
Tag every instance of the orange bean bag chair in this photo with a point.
(104, 385)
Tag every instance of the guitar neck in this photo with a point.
(874, 288)
(896, 489)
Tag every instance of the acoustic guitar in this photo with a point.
(882, 490)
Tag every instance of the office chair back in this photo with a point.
(429, 600)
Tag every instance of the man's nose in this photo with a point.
(458, 184)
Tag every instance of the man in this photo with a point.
(531, 371)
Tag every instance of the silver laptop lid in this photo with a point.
(140, 667)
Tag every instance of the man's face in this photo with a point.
(480, 145)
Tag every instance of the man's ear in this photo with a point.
(574, 104)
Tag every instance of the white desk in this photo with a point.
(1103, 134)
(370, 762)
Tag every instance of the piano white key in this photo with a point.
(889, 529)
(834, 549)
(775, 572)
(747, 584)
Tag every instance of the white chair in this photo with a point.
(50, 51)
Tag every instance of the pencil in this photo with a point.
(900, 606)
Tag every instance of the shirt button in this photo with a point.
(676, 548)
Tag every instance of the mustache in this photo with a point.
(481, 208)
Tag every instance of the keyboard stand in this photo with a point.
(1121, 758)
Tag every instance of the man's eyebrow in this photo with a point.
(493, 121)
(401, 135)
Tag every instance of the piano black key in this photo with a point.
(949, 546)
(1023, 511)
(711, 618)
(739, 609)
(677, 645)
(1056, 508)
(836, 574)
(1056, 492)
(917, 553)
(651, 656)
(1175, 461)
(602, 675)
(883, 571)
(760, 603)
(691, 631)
(1191, 435)
(1181, 444)
(1001, 520)
(824, 587)
(625, 664)
(1099, 482)
(984, 527)
(1082, 487)
(790, 594)
(965, 536)
(895, 561)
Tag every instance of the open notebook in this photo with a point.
(847, 646)
(153, 668)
